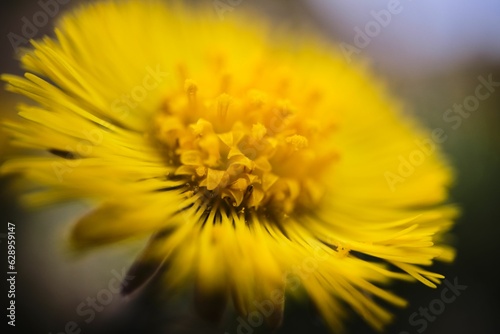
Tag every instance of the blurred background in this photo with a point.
(431, 55)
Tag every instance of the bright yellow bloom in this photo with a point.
(258, 162)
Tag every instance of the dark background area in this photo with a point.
(50, 285)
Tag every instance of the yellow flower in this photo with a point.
(258, 161)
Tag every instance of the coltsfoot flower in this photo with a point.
(259, 162)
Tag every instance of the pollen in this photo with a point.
(243, 150)
(297, 141)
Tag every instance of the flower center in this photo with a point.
(250, 152)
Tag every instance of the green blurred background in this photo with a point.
(430, 55)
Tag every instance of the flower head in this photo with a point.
(259, 164)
